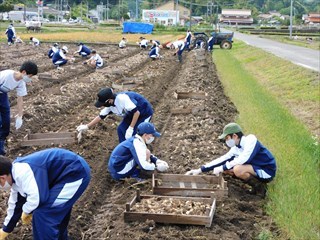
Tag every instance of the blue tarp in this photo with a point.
(137, 27)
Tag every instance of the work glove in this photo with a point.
(194, 172)
(3, 234)
(19, 122)
(162, 166)
(82, 128)
(218, 170)
(129, 132)
(26, 218)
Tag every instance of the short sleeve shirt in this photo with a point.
(8, 83)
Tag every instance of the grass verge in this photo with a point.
(294, 194)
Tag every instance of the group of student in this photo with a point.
(46, 184)
(59, 55)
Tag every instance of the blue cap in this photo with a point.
(148, 128)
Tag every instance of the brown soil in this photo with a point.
(188, 140)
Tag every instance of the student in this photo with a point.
(154, 52)
(211, 43)
(83, 50)
(123, 43)
(176, 44)
(179, 51)
(154, 43)
(10, 35)
(133, 107)
(95, 61)
(10, 80)
(34, 41)
(44, 187)
(53, 50)
(247, 159)
(60, 58)
(18, 40)
(143, 43)
(188, 40)
(132, 156)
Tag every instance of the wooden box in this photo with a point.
(180, 215)
(189, 186)
(39, 139)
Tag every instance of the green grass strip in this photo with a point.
(294, 194)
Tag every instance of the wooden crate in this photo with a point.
(205, 220)
(193, 95)
(39, 139)
(187, 185)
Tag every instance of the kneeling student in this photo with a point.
(133, 155)
(95, 61)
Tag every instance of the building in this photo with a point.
(313, 18)
(163, 17)
(181, 14)
(236, 16)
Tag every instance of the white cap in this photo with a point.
(65, 48)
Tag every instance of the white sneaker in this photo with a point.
(59, 68)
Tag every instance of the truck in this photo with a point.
(224, 40)
(33, 26)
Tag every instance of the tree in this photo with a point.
(5, 7)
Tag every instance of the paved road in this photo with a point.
(304, 57)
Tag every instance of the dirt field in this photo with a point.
(188, 140)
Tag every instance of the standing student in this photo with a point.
(179, 51)
(10, 35)
(188, 40)
(211, 43)
(10, 80)
(133, 107)
(44, 187)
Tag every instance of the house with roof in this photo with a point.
(236, 16)
(167, 14)
(313, 18)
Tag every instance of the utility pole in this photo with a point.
(190, 13)
(107, 10)
(291, 19)
(137, 9)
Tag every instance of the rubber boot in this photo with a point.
(2, 150)
(258, 188)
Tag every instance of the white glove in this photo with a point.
(162, 166)
(82, 128)
(18, 122)
(129, 132)
(194, 172)
(218, 170)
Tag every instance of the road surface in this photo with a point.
(304, 57)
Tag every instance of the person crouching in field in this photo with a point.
(60, 58)
(83, 50)
(95, 61)
(132, 156)
(154, 52)
(123, 43)
(247, 160)
(35, 42)
(43, 187)
(53, 50)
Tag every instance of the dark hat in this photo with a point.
(148, 128)
(80, 43)
(104, 95)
